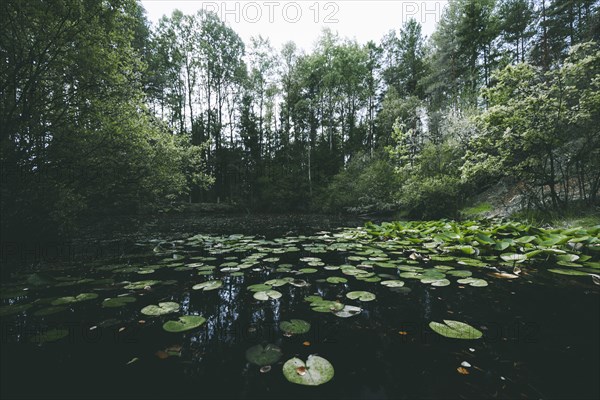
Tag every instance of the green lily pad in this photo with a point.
(141, 284)
(392, 283)
(316, 371)
(460, 273)
(259, 287)
(361, 295)
(74, 299)
(267, 295)
(160, 309)
(475, 282)
(455, 330)
(185, 323)
(572, 272)
(325, 306)
(513, 257)
(277, 282)
(295, 326)
(117, 301)
(348, 311)
(308, 270)
(263, 356)
(336, 279)
(208, 285)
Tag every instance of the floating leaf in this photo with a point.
(462, 371)
(572, 272)
(336, 279)
(460, 273)
(295, 326)
(259, 287)
(208, 285)
(392, 283)
(160, 309)
(513, 257)
(118, 301)
(361, 295)
(278, 282)
(455, 330)
(141, 284)
(263, 356)
(308, 270)
(185, 323)
(348, 311)
(316, 371)
(473, 282)
(74, 299)
(267, 295)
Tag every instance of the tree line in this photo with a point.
(102, 112)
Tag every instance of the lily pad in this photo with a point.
(160, 309)
(295, 326)
(460, 273)
(392, 283)
(316, 371)
(513, 257)
(263, 356)
(74, 299)
(141, 284)
(361, 295)
(277, 282)
(259, 287)
(336, 279)
(348, 311)
(455, 330)
(185, 323)
(267, 295)
(118, 301)
(475, 282)
(572, 272)
(208, 285)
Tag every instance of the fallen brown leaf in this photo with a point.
(462, 371)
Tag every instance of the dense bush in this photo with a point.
(367, 183)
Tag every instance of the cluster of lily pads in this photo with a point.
(314, 371)
(391, 256)
(569, 251)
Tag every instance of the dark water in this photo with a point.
(541, 335)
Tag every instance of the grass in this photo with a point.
(476, 210)
(585, 217)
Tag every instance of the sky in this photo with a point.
(301, 21)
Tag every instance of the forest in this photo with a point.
(105, 114)
(189, 215)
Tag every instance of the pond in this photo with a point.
(427, 310)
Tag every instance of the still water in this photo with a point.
(540, 330)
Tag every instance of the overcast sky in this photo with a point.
(302, 20)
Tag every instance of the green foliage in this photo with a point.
(79, 138)
(366, 183)
(540, 129)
